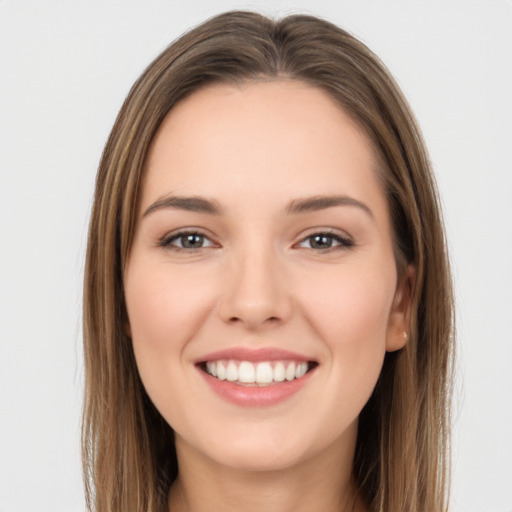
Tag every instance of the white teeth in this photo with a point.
(211, 368)
(246, 372)
(279, 372)
(232, 371)
(221, 371)
(290, 371)
(263, 373)
(301, 370)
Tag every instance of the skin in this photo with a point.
(259, 281)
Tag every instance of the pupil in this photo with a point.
(192, 241)
(321, 241)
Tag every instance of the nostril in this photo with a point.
(253, 310)
(272, 319)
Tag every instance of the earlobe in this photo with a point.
(397, 342)
(399, 319)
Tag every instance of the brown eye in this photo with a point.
(324, 241)
(192, 241)
(187, 241)
(321, 241)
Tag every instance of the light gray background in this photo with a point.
(65, 68)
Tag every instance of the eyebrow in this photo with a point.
(192, 204)
(316, 203)
(297, 206)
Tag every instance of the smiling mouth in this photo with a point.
(260, 374)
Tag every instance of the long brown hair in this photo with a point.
(402, 452)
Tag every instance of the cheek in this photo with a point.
(162, 305)
(165, 310)
(351, 305)
(350, 316)
(350, 313)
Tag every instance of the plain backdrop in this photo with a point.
(65, 68)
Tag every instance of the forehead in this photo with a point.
(277, 138)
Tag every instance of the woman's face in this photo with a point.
(263, 250)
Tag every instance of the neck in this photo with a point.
(322, 483)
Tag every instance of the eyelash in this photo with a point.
(166, 241)
(340, 241)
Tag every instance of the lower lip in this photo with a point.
(256, 396)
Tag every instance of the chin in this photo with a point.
(248, 449)
(258, 459)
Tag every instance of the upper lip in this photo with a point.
(253, 355)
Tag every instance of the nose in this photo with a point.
(256, 293)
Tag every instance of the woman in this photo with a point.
(267, 306)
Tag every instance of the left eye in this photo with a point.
(324, 241)
(188, 241)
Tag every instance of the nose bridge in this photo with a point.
(256, 291)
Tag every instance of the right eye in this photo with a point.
(187, 240)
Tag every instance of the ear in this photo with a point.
(399, 317)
